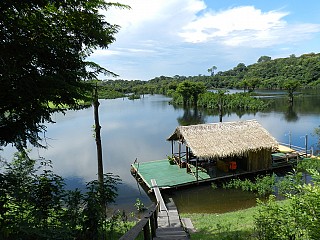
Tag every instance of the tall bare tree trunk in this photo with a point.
(97, 129)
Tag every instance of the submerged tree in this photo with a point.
(291, 86)
(44, 46)
(189, 89)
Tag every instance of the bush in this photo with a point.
(35, 205)
(298, 219)
(263, 185)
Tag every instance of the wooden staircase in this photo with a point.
(162, 221)
(169, 222)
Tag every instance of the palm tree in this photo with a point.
(211, 70)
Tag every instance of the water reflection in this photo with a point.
(139, 129)
(204, 199)
(191, 117)
(290, 114)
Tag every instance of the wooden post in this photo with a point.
(306, 145)
(187, 154)
(197, 168)
(187, 158)
(153, 225)
(179, 154)
(155, 215)
(172, 150)
(146, 232)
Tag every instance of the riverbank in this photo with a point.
(231, 225)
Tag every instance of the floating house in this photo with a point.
(215, 151)
(242, 145)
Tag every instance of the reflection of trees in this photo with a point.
(191, 117)
(290, 115)
(308, 104)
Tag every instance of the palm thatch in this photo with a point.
(228, 139)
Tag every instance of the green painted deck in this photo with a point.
(166, 175)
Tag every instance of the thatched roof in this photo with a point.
(226, 139)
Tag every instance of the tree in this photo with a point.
(211, 70)
(253, 83)
(44, 46)
(197, 89)
(189, 89)
(291, 86)
(184, 89)
(97, 131)
(264, 59)
(221, 98)
(244, 84)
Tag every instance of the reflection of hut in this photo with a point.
(245, 142)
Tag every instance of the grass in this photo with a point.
(231, 225)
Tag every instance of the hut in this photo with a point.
(242, 146)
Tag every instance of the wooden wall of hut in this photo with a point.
(259, 160)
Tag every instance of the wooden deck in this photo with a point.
(167, 175)
(172, 176)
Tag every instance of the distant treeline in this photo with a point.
(267, 73)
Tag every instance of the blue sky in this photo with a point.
(186, 37)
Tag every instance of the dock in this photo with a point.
(173, 176)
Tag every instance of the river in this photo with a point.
(138, 129)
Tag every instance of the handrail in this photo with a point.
(148, 220)
(297, 148)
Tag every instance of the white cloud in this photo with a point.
(245, 26)
(172, 37)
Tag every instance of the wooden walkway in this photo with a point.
(169, 223)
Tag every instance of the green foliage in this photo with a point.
(309, 163)
(139, 205)
(264, 59)
(267, 73)
(289, 184)
(133, 96)
(44, 46)
(35, 205)
(291, 86)
(237, 101)
(299, 219)
(274, 221)
(190, 91)
(170, 160)
(214, 185)
(263, 185)
(110, 94)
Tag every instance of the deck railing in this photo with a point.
(148, 224)
(300, 150)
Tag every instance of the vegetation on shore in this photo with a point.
(297, 217)
(226, 226)
(282, 73)
(35, 205)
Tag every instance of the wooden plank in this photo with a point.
(134, 232)
(158, 195)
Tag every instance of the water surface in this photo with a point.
(139, 128)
